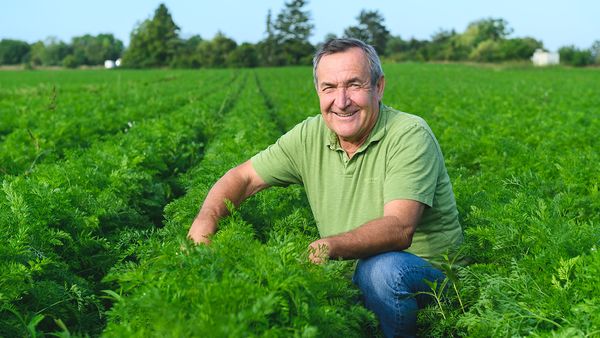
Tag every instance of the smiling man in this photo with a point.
(375, 179)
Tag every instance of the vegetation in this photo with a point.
(155, 43)
(103, 172)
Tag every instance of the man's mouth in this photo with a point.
(345, 114)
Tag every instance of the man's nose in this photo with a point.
(342, 100)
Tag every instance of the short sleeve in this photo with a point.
(412, 167)
(277, 165)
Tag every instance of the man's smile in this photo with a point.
(346, 114)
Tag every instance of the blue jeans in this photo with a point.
(388, 282)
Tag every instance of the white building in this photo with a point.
(109, 64)
(543, 58)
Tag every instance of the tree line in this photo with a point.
(156, 42)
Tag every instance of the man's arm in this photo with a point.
(392, 232)
(236, 186)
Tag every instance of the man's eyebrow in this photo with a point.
(355, 79)
(352, 80)
(330, 84)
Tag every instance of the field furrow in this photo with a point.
(67, 223)
(245, 283)
(72, 116)
(94, 210)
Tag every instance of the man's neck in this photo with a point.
(351, 147)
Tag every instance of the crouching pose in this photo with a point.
(375, 179)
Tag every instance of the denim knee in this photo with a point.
(388, 283)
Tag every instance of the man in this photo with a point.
(375, 179)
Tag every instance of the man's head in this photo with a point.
(341, 45)
(349, 81)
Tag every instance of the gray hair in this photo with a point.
(341, 45)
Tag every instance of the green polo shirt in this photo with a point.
(401, 159)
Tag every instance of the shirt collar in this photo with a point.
(333, 143)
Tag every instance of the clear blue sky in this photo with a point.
(556, 23)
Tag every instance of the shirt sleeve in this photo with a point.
(412, 167)
(278, 164)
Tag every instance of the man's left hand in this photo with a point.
(318, 251)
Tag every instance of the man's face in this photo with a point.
(349, 104)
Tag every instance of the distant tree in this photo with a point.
(52, 52)
(94, 50)
(214, 53)
(243, 56)
(487, 51)
(187, 55)
(327, 37)
(485, 29)
(445, 46)
(291, 31)
(267, 48)
(37, 53)
(13, 52)
(595, 50)
(573, 56)
(70, 61)
(370, 29)
(519, 48)
(154, 42)
(395, 45)
(405, 50)
(293, 23)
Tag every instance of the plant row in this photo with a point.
(254, 279)
(519, 146)
(67, 223)
(42, 121)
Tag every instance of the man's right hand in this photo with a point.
(201, 231)
(235, 186)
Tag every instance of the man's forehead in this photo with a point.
(351, 53)
(349, 61)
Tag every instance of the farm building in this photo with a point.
(109, 64)
(543, 58)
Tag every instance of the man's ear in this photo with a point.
(380, 87)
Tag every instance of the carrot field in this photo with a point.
(103, 172)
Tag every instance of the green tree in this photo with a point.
(13, 52)
(93, 50)
(445, 46)
(293, 23)
(520, 48)
(36, 54)
(573, 56)
(291, 31)
(395, 45)
(54, 51)
(214, 53)
(371, 30)
(485, 29)
(154, 42)
(596, 52)
(187, 55)
(267, 48)
(487, 51)
(243, 56)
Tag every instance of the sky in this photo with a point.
(555, 23)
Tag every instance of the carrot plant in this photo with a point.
(95, 210)
(67, 223)
(254, 279)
